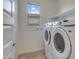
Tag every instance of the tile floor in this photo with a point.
(34, 55)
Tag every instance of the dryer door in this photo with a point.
(61, 44)
(47, 37)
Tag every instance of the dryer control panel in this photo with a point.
(68, 21)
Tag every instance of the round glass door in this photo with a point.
(59, 42)
(46, 35)
(49, 37)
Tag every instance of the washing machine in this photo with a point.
(63, 40)
(47, 38)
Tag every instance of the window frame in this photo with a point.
(30, 16)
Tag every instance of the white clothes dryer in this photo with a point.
(47, 40)
(63, 41)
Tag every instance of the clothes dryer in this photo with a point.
(63, 41)
(47, 40)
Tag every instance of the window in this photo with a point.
(33, 14)
(33, 9)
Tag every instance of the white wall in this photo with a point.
(29, 37)
(64, 5)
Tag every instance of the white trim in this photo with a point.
(39, 49)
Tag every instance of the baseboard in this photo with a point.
(33, 51)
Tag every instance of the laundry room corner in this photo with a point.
(29, 37)
(38, 29)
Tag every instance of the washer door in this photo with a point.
(47, 37)
(61, 45)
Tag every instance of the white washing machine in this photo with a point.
(47, 38)
(63, 40)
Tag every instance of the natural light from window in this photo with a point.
(33, 9)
